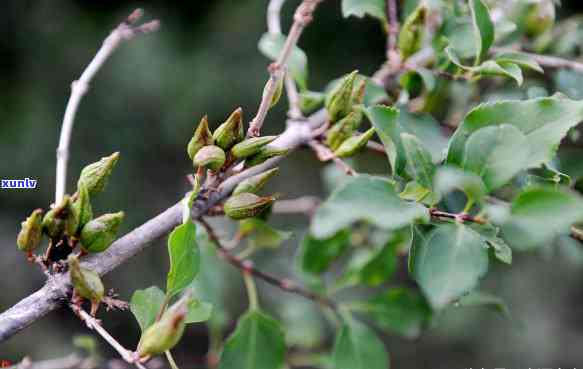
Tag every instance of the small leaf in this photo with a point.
(413, 191)
(360, 8)
(488, 68)
(261, 234)
(419, 164)
(520, 59)
(145, 305)
(365, 198)
(448, 262)
(271, 46)
(448, 179)
(198, 311)
(257, 343)
(484, 28)
(358, 347)
(489, 234)
(184, 258)
(317, 255)
(477, 299)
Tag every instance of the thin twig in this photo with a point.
(72, 361)
(123, 32)
(302, 17)
(458, 217)
(247, 266)
(302, 205)
(392, 32)
(325, 154)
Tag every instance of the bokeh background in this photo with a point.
(145, 103)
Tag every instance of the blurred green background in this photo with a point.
(145, 103)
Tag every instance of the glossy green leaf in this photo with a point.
(271, 46)
(448, 262)
(520, 59)
(419, 162)
(358, 347)
(257, 343)
(261, 234)
(544, 122)
(539, 214)
(316, 255)
(360, 8)
(496, 154)
(449, 179)
(184, 258)
(365, 198)
(483, 28)
(145, 305)
(400, 310)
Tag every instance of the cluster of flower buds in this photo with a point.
(70, 222)
(345, 111)
(245, 203)
(227, 145)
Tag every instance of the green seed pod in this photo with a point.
(202, 137)
(56, 220)
(277, 93)
(310, 100)
(94, 176)
(250, 146)
(31, 232)
(411, 35)
(342, 130)
(264, 154)
(246, 205)
(540, 17)
(354, 144)
(255, 184)
(98, 234)
(339, 100)
(164, 334)
(81, 210)
(211, 157)
(358, 93)
(231, 131)
(86, 282)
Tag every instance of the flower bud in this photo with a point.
(277, 94)
(540, 17)
(354, 144)
(211, 157)
(339, 100)
(310, 100)
(98, 234)
(202, 137)
(246, 205)
(231, 131)
(255, 184)
(250, 146)
(164, 334)
(358, 93)
(411, 35)
(56, 219)
(94, 176)
(342, 130)
(86, 282)
(81, 210)
(265, 153)
(31, 232)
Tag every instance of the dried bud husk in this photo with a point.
(81, 210)
(164, 334)
(265, 153)
(344, 129)
(31, 232)
(310, 100)
(98, 234)
(277, 94)
(202, 137)
(246, 205)
(411, 35)
(86, 282)
(354, 144)
(231, 131)
(250, 146)
(94, 176)
(540, 17)
(339, 100)
(211, 157)
(57, 219)
(255, 184)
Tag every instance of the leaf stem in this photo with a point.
(251, 291)
(171, 360)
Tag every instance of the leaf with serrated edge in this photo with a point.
(360, 8)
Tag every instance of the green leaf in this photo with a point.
(520, 59)
(317, 255)
(261, 234)
(488, 68)
(271, 46)
(419, 164)
(496, 154)
(544, 122)
(489, 234)
(358, 347)
(198, 311)
(184, 258)
(546, 175)
(413, 191)
(257, 343)
(360, 8)
(365, 198)
(400, 310)
(478, 299)
(539, 214)
(484, 28)
(448, 262)
(448, 179)
(145, 305)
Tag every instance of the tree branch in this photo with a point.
(123, 32)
